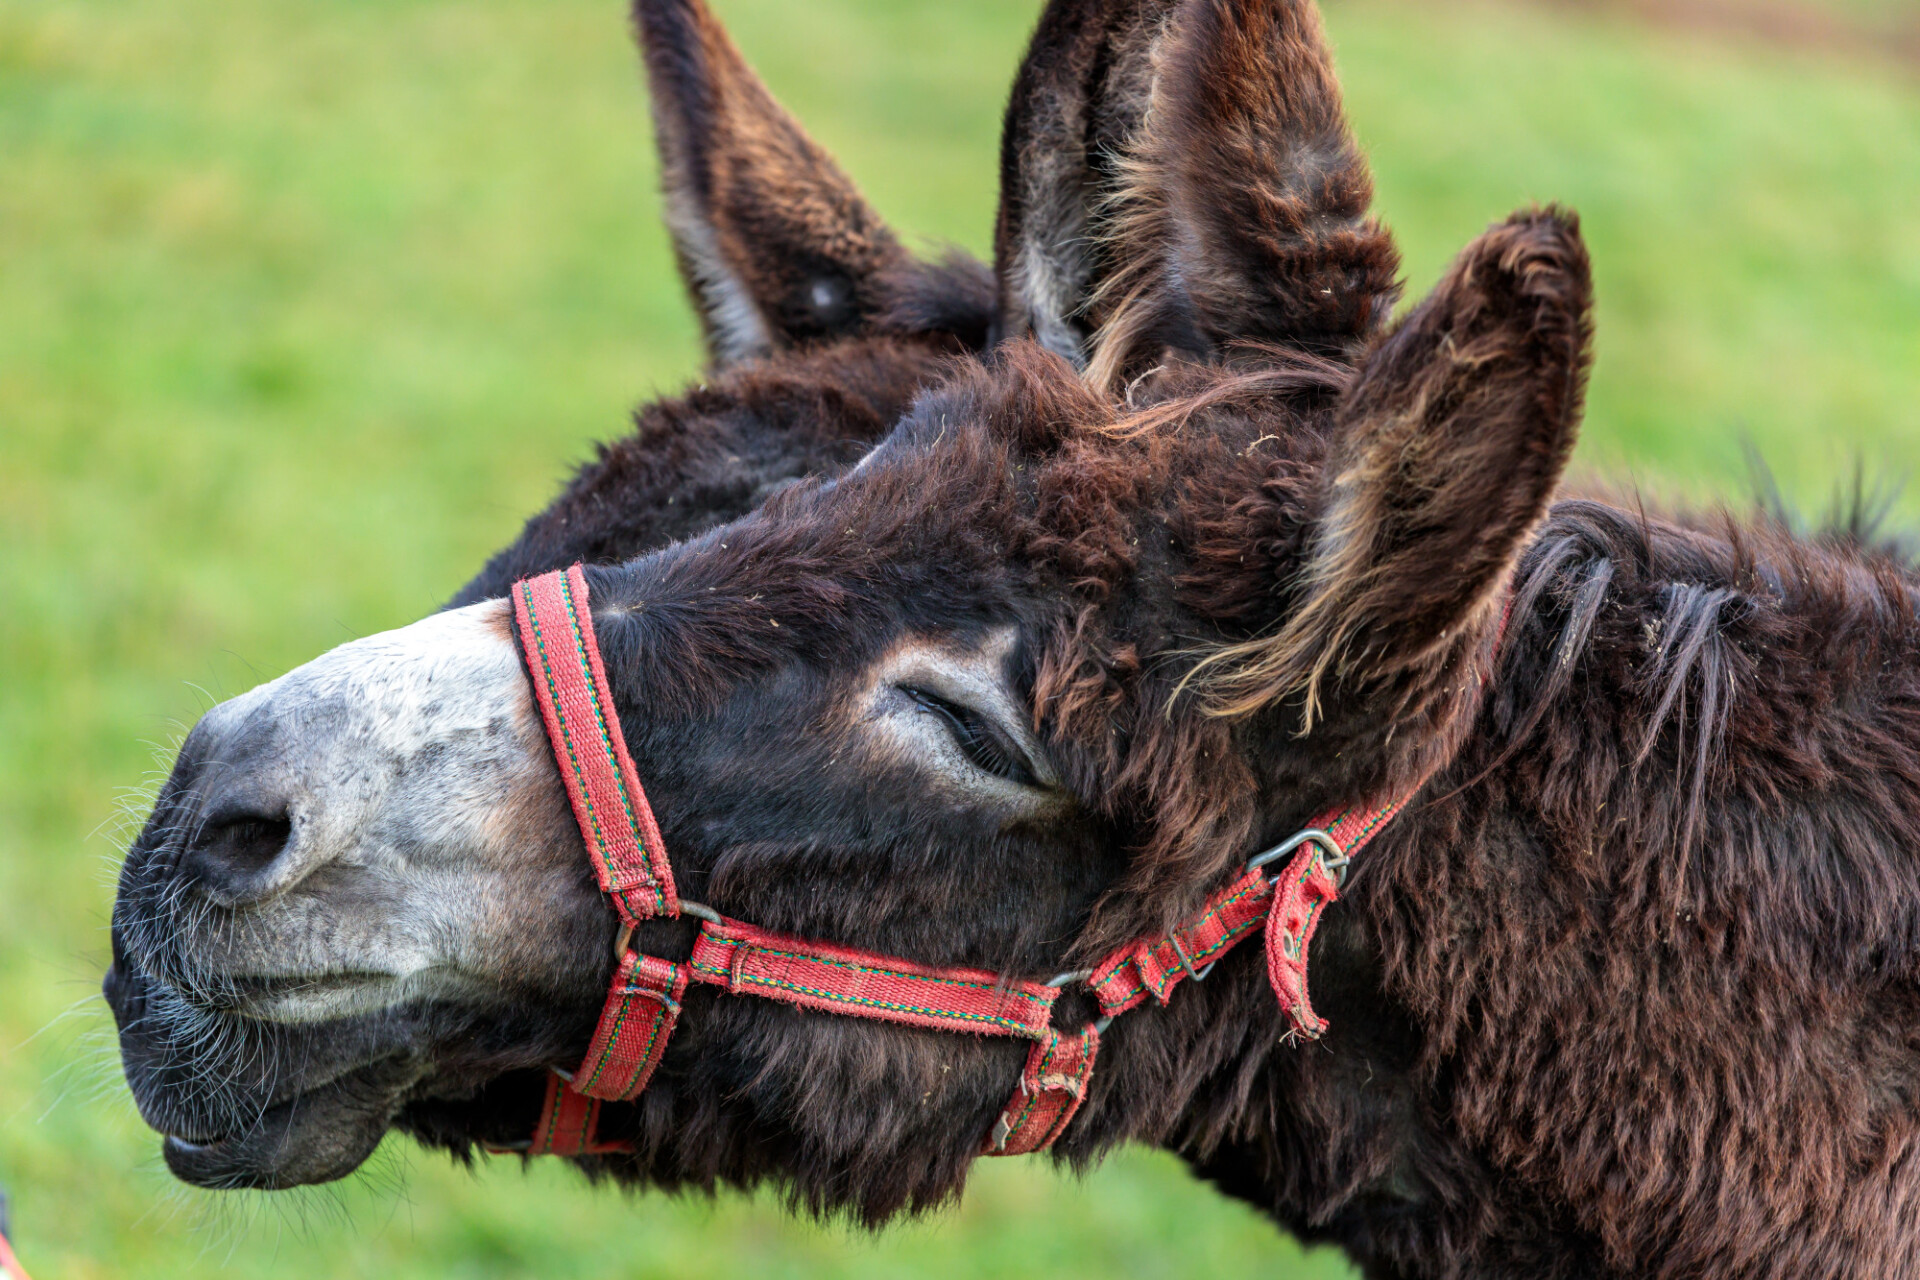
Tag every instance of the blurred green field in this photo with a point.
(305, 305)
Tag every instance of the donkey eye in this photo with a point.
(982, 741)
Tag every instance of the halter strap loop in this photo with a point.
(1053, 1084)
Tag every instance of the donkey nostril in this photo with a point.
(233, 852)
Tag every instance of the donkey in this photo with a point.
(983, 632)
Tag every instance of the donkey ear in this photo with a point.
(1450, 444)
(775, 243)
(1245, 216)
(1076, 106)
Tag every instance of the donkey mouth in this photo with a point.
(288, 1106)
(316, 1135)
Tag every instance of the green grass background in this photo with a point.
(304, 305)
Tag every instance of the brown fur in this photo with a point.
(1073, 116)
(775, 243)
(1244, 210)
(1629, 990)
(1431, 416)
(716, 452)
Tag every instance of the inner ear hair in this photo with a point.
(1076, 106)
(776, 244)
(1449, 447)
(1244, 211)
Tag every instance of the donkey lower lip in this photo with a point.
(316, 1135)
(189, 1146)
(219, 1118)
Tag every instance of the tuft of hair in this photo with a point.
(1448, 449)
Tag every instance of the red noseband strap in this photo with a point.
(643, 1002)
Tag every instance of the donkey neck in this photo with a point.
(1654, 839)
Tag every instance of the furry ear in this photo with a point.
(1449, 447)
(1076, 106)
(1245, 212)
(775, 243)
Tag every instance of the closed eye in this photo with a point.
(982, 741)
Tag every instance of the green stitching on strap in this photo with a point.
(1033, 1099)
(566, 730)
(606, 739)
(861, 968)
(1013, 1025)
(553, 1122)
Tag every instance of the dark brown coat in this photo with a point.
(1629, 990)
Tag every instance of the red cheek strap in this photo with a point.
(576, 704)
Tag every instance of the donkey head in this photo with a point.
(1103, 612)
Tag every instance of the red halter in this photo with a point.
(10, 1268)
(623, 841)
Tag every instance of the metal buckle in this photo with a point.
(1002, 1130)
(1336, 865)
(1186, 961)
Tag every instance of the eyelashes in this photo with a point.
(982, 741)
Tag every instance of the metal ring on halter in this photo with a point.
(1291, 843)
(1072, 976)
(1336, 865)
(698, 910)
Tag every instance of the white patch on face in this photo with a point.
(430, 841)
(900, 727)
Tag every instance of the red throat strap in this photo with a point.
(643, 1005)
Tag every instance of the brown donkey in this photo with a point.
(1195, 546)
